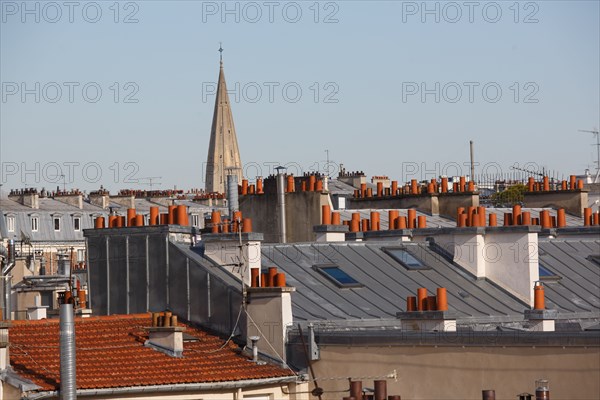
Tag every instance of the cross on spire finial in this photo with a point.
(221, 51)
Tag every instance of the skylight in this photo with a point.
(545, 273)
(336, 275)
(407, 260)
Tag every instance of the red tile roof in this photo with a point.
(111, 353)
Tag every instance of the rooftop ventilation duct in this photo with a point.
(281, 202)
(68, 387)
(232, 194)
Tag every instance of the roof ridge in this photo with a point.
(79, 319)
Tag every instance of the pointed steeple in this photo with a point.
(223, 152)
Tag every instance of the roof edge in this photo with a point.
(182, 387)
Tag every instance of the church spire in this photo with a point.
(223, 152)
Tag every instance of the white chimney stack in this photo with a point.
(507, 256)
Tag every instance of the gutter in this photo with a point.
(183, 387)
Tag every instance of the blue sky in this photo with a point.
(388, 87)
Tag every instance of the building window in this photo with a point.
(406, 259)
(80, 255)
(77, 223)
(10, 223)
(336, 275)
(56, 224)
(195, 220)
(35, 224)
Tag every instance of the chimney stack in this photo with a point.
(540, 319)
(74, 199)
(26, 197)
(490, 253)
(224, 249)
(165, 335)
(270, 310)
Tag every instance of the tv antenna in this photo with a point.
(150, 180)
(597, 134)
(536, 173)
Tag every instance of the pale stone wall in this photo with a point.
(457, 373)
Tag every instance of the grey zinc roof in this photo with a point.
(387, 283)
(48, 209)
(340, 188)
(578, 290)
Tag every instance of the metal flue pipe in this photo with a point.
(68, 386)
(472, 160)
(232, 195)
(9, 264)
(281, 203)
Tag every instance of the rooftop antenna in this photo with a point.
(597, 134)
(327, 165)
(150, 180)
(472, 154)
(536, 173)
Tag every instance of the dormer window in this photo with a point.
(56, 223)
(10, 223)
(35, 223)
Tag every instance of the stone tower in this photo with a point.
(223, 152)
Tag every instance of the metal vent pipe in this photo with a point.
(281, 203)
(232, 195)
(7, 279)
(68, 386)
(472, 151)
